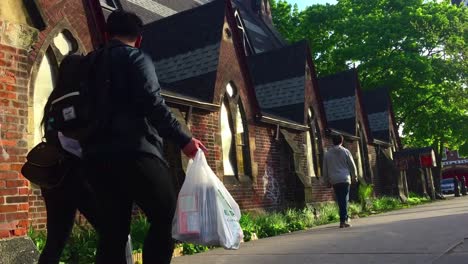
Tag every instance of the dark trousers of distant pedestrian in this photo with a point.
(342, 198)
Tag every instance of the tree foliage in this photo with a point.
(418, 49)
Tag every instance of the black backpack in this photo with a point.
(80, 106)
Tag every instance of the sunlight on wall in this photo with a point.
(43, 86)
(310, 161)
(13, 11)
(226, 137)
(359, 164)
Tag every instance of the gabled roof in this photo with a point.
(151, 10)
(338, 92)
(279, 78)
(263, 37)
(185, 49)
(377, 106)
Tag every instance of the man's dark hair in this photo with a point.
(124, 24)
(337, 139)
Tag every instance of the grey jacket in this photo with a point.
(338, 166)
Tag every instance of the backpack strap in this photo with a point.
(106, 85)
(97, 93)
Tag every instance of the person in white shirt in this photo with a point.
(338, 171)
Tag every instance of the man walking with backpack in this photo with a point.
(338, 171)
(126, 155)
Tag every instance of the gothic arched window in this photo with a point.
(393, 143)
(234, 135)
(362, 155)
(61, 45)
(314, 146)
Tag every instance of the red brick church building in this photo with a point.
(229, 77)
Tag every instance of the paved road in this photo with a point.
(434, 233)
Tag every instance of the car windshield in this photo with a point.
(445, 181)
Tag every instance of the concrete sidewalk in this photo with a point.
(432, 233)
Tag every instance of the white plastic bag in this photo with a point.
(206, 213)
(129, 250)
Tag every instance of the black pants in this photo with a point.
(61, 204)
(342, 198)
(119, 183)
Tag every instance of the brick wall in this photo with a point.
(19, 63)
(377, 177)
(13, 120)
(385, 180)
(276, 189)
(272, 183)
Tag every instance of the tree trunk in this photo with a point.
(437, 171)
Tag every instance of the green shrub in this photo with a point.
(308, 217)
(354, 209)
(271, 225)
(249, 226)
(190, 249)
(328, 213)
(38, 237)
(138, 229)
(415, 199)
(365, 194)
(295, 219)
(384, 204)
(81, 246)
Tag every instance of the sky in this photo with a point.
(303, 3)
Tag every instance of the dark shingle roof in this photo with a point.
(262, 37)
(185, 49)
(338, 93)
(152, 10)
(279, 80)
(377, 106)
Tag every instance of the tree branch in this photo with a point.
(415, 107)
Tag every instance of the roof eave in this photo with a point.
(381, 142)
(332, 131)
(187, 101)
(269, 119)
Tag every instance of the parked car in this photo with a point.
(447, 186)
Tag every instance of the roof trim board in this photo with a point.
(315, 87)
(154, 7)
(242, 58)
(368, 133)
(394, 124)
(274, 120)
(187, 101)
